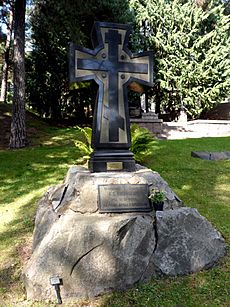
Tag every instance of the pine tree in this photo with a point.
(18, 128)
(191, 45)
(47, 69)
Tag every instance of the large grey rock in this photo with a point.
(94, 253)
(79, 193)
(186, 242)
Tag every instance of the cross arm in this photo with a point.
(146, 58)
(75, 74)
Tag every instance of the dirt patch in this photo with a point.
(25, 250)
(34, 127)
(5, 121)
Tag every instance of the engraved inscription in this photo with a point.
(123, 198)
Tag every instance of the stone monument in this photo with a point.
(97, 231)
(113, 67)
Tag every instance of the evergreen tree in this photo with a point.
(191, 44)
(54, 25)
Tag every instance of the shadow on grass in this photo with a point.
(25, 171)
(24, 176)
(6, 279)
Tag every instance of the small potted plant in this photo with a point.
(157, 199)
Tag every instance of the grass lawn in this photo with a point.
(27, 173)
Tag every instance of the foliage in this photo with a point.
(190, 40)
(83, 143)
(142, 143)
(191, 45)
(47, 65)
(157, 196)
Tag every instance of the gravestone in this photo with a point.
(214, 155)
(113, 67)
(97, 231)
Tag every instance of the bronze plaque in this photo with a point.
(123, 198)
(114, 166)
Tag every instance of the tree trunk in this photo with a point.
(6, 59)
(158, 98)
(18, 127)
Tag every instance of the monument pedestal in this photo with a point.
(92, 253)
(110, 160)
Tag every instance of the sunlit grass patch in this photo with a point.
(26, 174)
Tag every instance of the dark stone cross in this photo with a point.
(113, 67)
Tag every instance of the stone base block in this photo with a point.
(108, 160)
(94, 253)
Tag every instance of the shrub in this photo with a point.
(142, 143)
(83, 143)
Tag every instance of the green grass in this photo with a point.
(204, 185)
(27, 173)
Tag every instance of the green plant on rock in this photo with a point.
(157, 196)
(142, 143)
(83, 143)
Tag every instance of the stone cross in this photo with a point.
(113, 67)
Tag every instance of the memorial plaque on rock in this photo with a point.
(123, 198)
